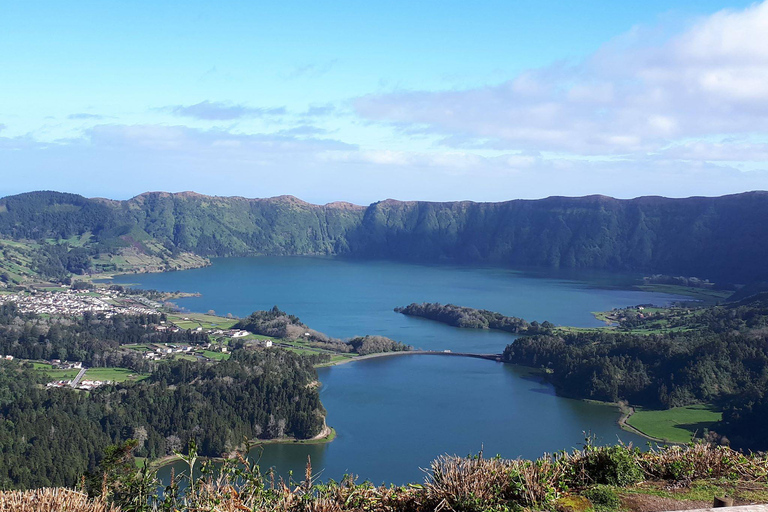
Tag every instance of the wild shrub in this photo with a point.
(702, 461)
(603, 497)
(612, 465)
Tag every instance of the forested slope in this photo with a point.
(52, 437)
(724, 238)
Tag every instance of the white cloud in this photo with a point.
(221, 111)
(717, 151)
(120, 161)
(631, 97)
(680, 117)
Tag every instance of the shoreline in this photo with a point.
(626, 412)
(326, 435)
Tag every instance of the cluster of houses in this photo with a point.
(166, 328)
(73, 303)
(225, 333)
(236, 333)
(66, 365)
(165, 351)
(86, 385)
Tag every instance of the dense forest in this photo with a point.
(716, 355)
(460, 316)
(656, 370)
(371, 344)
(53, 436)
(280, 324)
(721, 239)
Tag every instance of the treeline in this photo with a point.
(365, 345)
(658, 370)
(721, 239)
(279, 324)
(460, 316)
(53, 436)
(275, 323)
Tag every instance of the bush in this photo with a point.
(613, 465)
(603, 497)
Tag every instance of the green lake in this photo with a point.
(394, 415)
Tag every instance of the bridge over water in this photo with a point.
(490, 357)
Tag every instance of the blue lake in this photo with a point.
(394, 415)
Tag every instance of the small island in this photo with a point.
(470, 318)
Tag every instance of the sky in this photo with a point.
(363, 101)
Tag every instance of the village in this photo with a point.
(110, 302)
(79, 302)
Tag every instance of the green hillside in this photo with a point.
(723, 238)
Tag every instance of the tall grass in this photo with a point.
(452, 483)
(52, 500)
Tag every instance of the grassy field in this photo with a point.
(138, 347)
(186, 324)
(201, 320)
(16, 263)
(55, 374)
(216, 356)
(677, 424)
(113, 374)
(52, 373)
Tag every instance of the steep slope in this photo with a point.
(723, 238)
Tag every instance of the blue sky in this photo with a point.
(361, 101)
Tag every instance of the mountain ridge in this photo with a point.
(720, 238)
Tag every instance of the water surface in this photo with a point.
(394, 415)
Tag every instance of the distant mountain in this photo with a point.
(721, 238)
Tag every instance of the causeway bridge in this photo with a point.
(490, 357)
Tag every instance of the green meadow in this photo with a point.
(678, 424)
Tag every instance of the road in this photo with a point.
(74, 382)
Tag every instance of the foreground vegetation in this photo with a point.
(593, 478)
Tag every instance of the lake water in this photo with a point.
(394, 415)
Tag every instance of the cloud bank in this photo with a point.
(220, 111)
(630, 97)
(686, 116)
